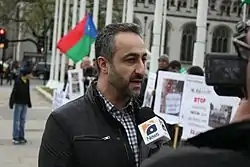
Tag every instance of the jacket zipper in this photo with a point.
(125, 146)
(93, 138)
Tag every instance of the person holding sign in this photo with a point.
(101, 127)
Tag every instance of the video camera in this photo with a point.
(227, 72)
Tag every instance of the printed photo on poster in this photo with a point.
(219, 115)
(75, 81)
(75, 76)
(171, 96)
(76, 88)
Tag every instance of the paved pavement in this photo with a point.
(22, 155)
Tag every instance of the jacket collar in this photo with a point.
(94, 96)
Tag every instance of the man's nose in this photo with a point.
(140, 69)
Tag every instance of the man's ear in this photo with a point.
(102, 64)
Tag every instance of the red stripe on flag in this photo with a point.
(70, 39)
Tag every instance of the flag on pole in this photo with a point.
(243, 2)
(77, 43)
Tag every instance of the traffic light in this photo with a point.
(40, 44)
(3, 39)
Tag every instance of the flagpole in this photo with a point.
(156, 36)
(95, 19)
(50, 83)
(109, 11)
(74, 20)
(59, 35)
(244, 15)
(82, 9)
(124, 11)
(163, 30)
(81, 15)
(201, 24)
(66, 26)
(130, 11)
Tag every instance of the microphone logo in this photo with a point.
(149, 127)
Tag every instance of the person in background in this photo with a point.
(20, 100)
(94, 63)
(88, 72)
(174, 66)
(163, 62)
(95, 68)
(195, 70)
(69, 67)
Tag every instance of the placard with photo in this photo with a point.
(202, 109)
(148, 96)
(168, 97)
(75, 81)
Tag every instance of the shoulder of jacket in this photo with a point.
(71, 108)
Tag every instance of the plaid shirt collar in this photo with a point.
(111, 108)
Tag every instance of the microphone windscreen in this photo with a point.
(145, 113)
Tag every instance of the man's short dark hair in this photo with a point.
(105, 41)
(195, 70)
(174, 65)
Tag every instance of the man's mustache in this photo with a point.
(137, 78)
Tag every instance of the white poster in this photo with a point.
(59, 99)
(148, 96)
(202, 109)
(168, 97)
(75, 80)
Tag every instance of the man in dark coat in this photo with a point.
(101, 127)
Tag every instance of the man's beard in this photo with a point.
(121, 84)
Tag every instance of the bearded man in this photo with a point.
(101, 127)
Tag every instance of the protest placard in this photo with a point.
(202, 109)
(168, 96)
(186, 100)
(59, 99)
(75, 81)
(148, 96)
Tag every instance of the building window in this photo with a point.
(212, 4)
(167, 30)
(139, 1)
(151, 1)
(172, 3)
(195, 4)
(221, 39)
(188, 40)
(181, 4)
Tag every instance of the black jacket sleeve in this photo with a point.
(29, 103)
(55, 149)
(13, 95)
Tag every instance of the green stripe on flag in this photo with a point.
(80, 49)
(247, 2)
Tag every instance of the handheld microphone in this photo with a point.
(151, 127)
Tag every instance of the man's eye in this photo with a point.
(131, 60)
